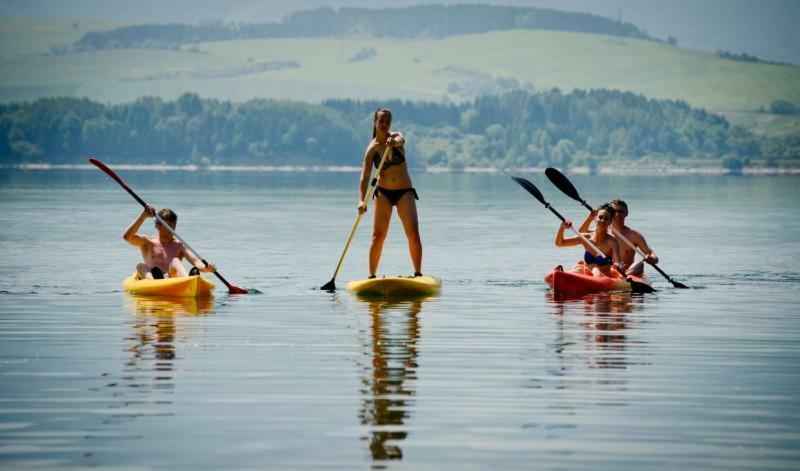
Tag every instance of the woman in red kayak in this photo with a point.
(394, 189)
(597, 265)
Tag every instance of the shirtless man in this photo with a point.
(626, 252)
(162, 253)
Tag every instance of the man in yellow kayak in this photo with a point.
(162, 253)
(627, 252)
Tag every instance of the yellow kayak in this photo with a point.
(394, 286)
(185, 286)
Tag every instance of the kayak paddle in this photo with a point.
(563, 184)
(636, 286)
(232, 289)
(331, 285)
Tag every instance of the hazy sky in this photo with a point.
(767, 28)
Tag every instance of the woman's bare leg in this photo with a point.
(383, 213)
(407, 210)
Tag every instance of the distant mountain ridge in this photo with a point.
(408, 22)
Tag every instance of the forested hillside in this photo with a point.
(517, 129)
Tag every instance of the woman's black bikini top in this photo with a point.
(396, 158)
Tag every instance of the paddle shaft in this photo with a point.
(113, 175)
(370, 191)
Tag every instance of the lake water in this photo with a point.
(494, 373)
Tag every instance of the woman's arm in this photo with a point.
(586, 223)
(562, 241)
(397, 139)
(363, 183)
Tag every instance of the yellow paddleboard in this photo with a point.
(185, 286)
(394, 286)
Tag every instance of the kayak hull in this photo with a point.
(562, 281)
(183, 287)
(396, 286)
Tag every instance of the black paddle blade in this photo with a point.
(638, 287)
(678, 284)
(562, 183)
(530, 188)
(329, 286)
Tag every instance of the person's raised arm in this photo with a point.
(562, 241)
(130, 233)
(587, 222)
(396, 139)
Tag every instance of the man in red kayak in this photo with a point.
(162, 253)
(627, 253)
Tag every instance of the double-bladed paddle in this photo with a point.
(636, 286)
(331, 285)
(232, 289)
(563, 184)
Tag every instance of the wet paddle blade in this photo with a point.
(329, 286)
(233, 289)
(638, 287)
(678, 284)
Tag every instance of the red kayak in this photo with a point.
(562, 281)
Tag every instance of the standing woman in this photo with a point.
(394, 189)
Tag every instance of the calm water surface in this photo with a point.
(492, 374)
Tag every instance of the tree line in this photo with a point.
(516, 129)
(407, 22)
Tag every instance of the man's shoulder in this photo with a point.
(632, 233)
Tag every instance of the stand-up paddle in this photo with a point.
(232, 289)
(563, 184)
(636, 286)
(331, 285)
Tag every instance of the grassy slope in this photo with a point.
(410, 69)
(36, 36)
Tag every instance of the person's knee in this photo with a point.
(378, 235)
(174, 263)
(142, 269)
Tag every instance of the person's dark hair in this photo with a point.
(375, 116)
(619, 203)
(169, 216)
(607, 207)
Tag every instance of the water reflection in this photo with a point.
(388, 382)
(602, 320)
(155, 329)
(154, 325)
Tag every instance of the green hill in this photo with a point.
(456, 68)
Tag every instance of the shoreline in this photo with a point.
(628, 170)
